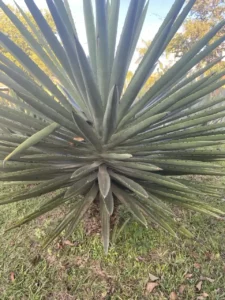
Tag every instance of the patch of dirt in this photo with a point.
(92, 220)
(97, 269)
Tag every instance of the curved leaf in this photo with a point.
(87, 131)
(129, 202)
(104, 181)
(110, 116)
(34, 139)
(105, 221)
(129, 183)
(74, 216)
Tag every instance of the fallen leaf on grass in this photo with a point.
(153, 277)
(139, 258)
(182, 288)
(12, 276)
(104, 294)
(97, 270)
(203, 296)
(207, 279)
(197, 266)
(150, 287)
(188, 276)
(209, 255)
(59, 246)
(80, 261)
(199, 286)
(68, 243)
(173, 296)
(51, 259)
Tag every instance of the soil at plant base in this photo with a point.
(92, 220)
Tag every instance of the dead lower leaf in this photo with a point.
(188, 276)
(207, 279)
(79, 139)
(199, 286)
(12, 276)
(173, 296)
(182, 288)
(153, 277)
(150, 287)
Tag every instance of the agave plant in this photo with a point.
(81, 133)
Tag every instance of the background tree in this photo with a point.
(203, 16)
(206, 10)
(142, 50)
(128, 79)
(8, 28)
(159, 70)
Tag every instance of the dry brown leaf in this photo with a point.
(188, 276)
(97, 270)
(182, 288)
(209, 255)
(139, 258)
(207, 279)
(173, 296)
(197, 266)
(79, 139)
(150, 287)
(51, 259)
(59, 246)
(104, 294)
(12, 276)
(205, 295)
(68, 243)
(81, 261)
(199, 286)
(153, 277)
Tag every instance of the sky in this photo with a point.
(156, 13)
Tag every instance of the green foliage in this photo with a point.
(78, 266)
(141, 51)
(84, 134)
(11, 30)
(203, 16)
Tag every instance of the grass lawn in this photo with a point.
(78, 268)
